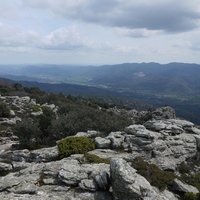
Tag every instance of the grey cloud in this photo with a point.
(167, 15)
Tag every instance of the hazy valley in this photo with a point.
(174, 84)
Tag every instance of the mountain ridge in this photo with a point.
(174, 84)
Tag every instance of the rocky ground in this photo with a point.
(39, 174)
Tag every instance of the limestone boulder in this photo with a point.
(116, 138)
(103, 181)
(102, 143)
(20, 155)
(71, 173)
(178, 186)
(90, 134)
(89, 185)
(127, 184)
(45, 154)
(165, 112)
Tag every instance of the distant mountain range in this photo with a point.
(149, 77)
(175, 84)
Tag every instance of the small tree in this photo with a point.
(29, 134)
(4, 110)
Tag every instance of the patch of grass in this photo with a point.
(191, 196)
(91, 158)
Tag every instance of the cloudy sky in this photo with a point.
(97, 32)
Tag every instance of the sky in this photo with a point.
(97, 32)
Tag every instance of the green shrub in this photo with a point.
(189, 196)
(75, 145)
(91, 158)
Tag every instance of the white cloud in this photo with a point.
(11, 37)
(65, 39)
(136, 33)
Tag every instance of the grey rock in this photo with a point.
(142, 132)
(103, 181)
(164, 113)
(193, 130)
(20, 165)
(127, 184)
(90, 134)
(102, 143)
(33, 171)
(108, 154)
(116, 138)
(32, 102)
(133, 129)
(81, 134)
(11, 121)
(178, 186)
(25, 188)
(181, 123)
(13, 180)
(197, 137)
(25, 99)
(5, 167)
(45, 154)
(84, 195)
(21, 155)
(94, 169)
(89, 185)
(12, 113)
(71, 173)
(164, 125)
(166, 194)
(51, 169)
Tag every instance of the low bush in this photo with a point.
(74, 145)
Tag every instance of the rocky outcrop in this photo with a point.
(127, 184)
(165, 112)
(178, 186)
(60, 179)
(41, 174)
